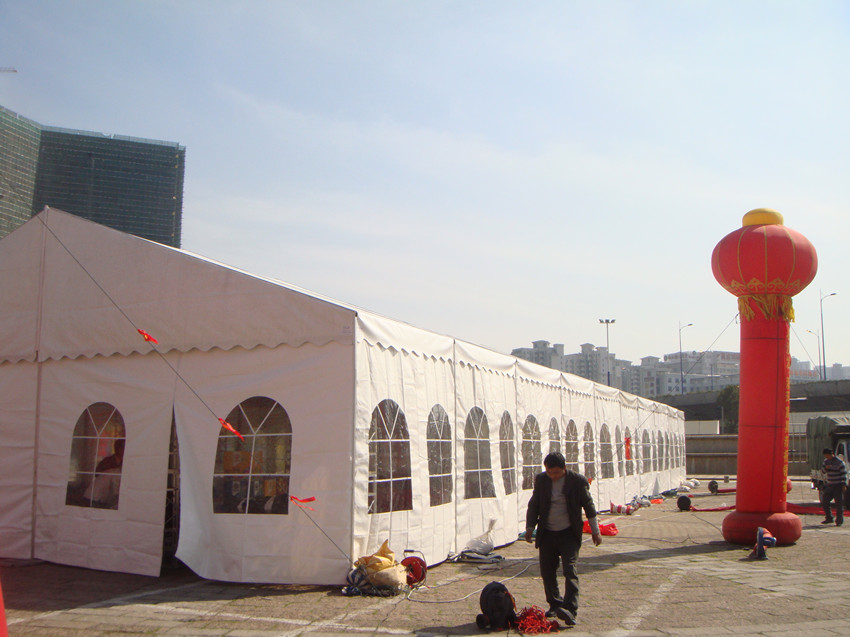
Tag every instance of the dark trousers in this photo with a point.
(833, 492)
(552, 546)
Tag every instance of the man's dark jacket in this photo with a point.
(577, 493)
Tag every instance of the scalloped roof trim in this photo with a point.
(152, 351)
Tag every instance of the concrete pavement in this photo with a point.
(666, 573)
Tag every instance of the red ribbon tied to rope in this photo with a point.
(148, 337)
(301, 502)
(532, 621)
(229, 427)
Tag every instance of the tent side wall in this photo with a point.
(486, 396)
(540, 406)
(18, 390)
(404, 410)
(315, 386)
(127, 538)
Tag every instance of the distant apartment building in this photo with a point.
(837, 371)
(131, 184)
(594, 363)
(541, 353)
(676, 373)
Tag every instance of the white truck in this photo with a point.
(822, 432)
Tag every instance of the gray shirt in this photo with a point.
(835, 470)
(559, 519)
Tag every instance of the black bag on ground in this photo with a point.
(498, 608)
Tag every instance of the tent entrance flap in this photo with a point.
(171, 529)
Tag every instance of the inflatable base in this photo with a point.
(741, 527)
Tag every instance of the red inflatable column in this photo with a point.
(4, 631)
(764, 264)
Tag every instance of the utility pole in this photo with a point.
(607, 323)
(822, 337)
(681, 360)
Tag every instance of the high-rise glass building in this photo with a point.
(19, 140)
(130, 184)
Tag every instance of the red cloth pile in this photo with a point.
(604, 529)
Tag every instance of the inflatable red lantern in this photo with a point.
(764, 264)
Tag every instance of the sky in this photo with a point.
(501, 172)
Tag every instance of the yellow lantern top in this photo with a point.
(763, 217)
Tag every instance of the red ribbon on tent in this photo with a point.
(148, 337)
(301, 502)
(230, 427)
(609, 528)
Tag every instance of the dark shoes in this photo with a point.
(827, 521)
(565, 616)
(553, 608)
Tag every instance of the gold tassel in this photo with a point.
(788, 309)
(771, 306)
(747, 313)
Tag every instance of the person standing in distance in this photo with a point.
(835, 475)
(555, 509)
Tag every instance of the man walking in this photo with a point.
(555, 509)
(836, 484)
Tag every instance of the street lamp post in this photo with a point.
(821, 372)
(607, 322)
(681, 360)
(822, 338)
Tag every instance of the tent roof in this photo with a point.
(96, 287)
(81, 273)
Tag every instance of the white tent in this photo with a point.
(397, 432)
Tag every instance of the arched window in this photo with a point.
(618, 443)
(439, 435)
(668, 450)
(554, 436)
(571, 446)
(589, 453)
(532, 456)
(630, 450)
(97, 456)
(507, 452)
(657, 460)
(674, 440)
(478, 474)
(606, 455)
(682, 449)
(389, 460)
(253, 476)
(672, 450)
(646, 452)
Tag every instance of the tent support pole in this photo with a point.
(35, 456)
(38, 363)
(455, 438)
(353, 508)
